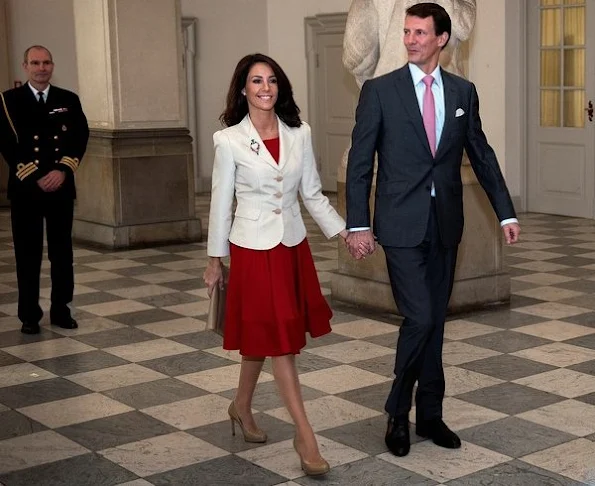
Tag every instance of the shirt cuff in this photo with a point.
(504, 222)
(359, 228)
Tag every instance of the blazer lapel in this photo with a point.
(256, 146)
(450, 106)
(286, 139)
(406, 91)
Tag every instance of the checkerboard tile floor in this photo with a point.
(138, 394)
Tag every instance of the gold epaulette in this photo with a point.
(8, 117)
(71, 162)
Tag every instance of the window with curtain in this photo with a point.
(562, 63)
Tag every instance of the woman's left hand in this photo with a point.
(213, 275)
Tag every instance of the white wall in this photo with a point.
(227, 30)
(287, 39)
(496, 67)
(516, 109)
(49, 23)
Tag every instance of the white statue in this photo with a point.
(373, 43)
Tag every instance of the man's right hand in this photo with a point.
(360, 243)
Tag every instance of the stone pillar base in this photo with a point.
(479, 277)
(138, 235)
(136, 188)
(377, 296)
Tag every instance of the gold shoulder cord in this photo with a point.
(8, 117)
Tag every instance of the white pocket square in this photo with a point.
(459, 112)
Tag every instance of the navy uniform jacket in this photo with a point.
(36, 139)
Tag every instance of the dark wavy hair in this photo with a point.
(236, 105)
(442, 22)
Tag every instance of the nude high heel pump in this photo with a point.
(318, 468)
(257, 436)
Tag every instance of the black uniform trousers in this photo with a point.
(27, 218)
(421, 280)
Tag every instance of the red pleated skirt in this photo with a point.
(273, 299)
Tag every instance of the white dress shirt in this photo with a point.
(44, 92)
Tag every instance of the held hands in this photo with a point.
(511, 233)
(360, 243)
(214, 275)
(52, 181)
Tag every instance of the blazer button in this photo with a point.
(279, 195)
(279, 178)
(277, 211)
(35, 137)
(36, 162)
(36, 149)
(55, 137)
(57, 149)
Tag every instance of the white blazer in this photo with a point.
(268, 210)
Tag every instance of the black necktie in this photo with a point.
(40, 100)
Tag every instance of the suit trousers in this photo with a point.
(27, 217)
(421, 280)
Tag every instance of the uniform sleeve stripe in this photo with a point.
(70, 162)
(26, 171)
(74, 161)
(8, 117)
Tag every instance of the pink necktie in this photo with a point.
(429, 113)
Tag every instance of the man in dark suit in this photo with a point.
(43, 136)
(418, 119)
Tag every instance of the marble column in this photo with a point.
(4, 85)
(135, 185)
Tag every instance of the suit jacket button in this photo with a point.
(35, 137)
(279, 195)
(36, 149)
(36, 162)
(279, 178)
(277, 211)
(57, 149)
(55, 137)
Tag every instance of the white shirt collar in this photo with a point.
(417, 74)
(35, 91)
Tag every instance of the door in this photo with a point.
(561, 86)
(333, 95)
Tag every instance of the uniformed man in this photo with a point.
(43, 136)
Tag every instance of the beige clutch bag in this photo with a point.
(216, 317)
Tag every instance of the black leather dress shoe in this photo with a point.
(397, 436)
(439, 432)
(65, 323)
(29, 327)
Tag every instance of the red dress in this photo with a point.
(273, 297)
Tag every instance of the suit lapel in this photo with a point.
(450, 106)
(406, 90)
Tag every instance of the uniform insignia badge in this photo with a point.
(64, 128)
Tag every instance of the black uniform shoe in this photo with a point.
(29, 327)
(397, 436)
(65, 323)
(440, 434)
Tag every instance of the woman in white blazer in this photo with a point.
(263, 160)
